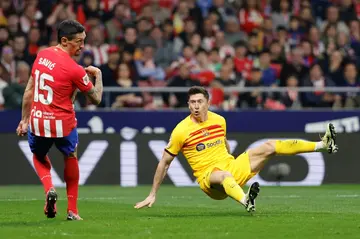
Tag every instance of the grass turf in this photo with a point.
(282, 212)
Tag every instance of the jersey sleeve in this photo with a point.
(175, 143)
(223, 125)
(81, 79)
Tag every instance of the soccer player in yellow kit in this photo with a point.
(201, 137)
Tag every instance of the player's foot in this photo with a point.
(50, 203)
(252, 193)
(73, 217)
(329, 139)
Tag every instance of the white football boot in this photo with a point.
(329, 139)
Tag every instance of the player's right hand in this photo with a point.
(148, 202)
(92, 70)
(22, 128)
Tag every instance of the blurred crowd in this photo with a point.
(214, 43)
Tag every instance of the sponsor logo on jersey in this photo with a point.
(200, 147)
(86, 79)
(215, 143)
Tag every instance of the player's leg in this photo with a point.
(227, 181)
(258, 156)
(39, 147)
(68, 146)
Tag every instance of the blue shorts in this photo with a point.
(40, 146)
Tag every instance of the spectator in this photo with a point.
(232, 31)
(96, 44)
(181, 13)
(347, 11)
(268, 74)
(146, 66)
(110, 69)
(125, 99)
(291, 98)
(115, 26)
(4, 36)
(318, 98)
(8, 62)
(13, 24)
(225, 49)
(332, 17)
(182, 80)
(253, 46)
(334, 68)
(250, 16)
(242, 63)
(87, 58)
(351, 99)
(281, 13)
(295, 67)
(252, 99)
(14, 91)
(20, 51)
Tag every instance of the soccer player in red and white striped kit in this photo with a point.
(48, 115)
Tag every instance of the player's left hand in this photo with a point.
(22, 128)
(92, 70)
(149, 201)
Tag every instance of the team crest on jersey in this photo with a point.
(200, 147)
(205, 132)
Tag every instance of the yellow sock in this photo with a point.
(291, 147)
(233, 189)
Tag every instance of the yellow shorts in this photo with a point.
(239, 168)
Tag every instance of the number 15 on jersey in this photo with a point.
(41, 87)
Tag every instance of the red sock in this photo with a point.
(42, 167)
(71, 176)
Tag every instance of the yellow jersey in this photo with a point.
(202, 144)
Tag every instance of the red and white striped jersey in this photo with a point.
(56, 76)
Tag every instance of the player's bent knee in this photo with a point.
(269, 147)
(263, 151)
(217, 177)
(225, 174)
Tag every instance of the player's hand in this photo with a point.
(92, 70)
(148, 202)
(22, 128)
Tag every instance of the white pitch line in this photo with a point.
(60, 199)
(174, 197)
(348, 196)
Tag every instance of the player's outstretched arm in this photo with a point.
(26, 108)
(160, 173)
(95, 94)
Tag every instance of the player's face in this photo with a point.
(76, 44)
(198, 105)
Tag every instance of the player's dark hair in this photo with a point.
(68, 29)
(198, 90)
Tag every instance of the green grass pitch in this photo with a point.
(282, 212)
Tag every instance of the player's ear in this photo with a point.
(64, 41)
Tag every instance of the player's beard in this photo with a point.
(78, 52)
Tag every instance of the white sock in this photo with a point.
(243, 200)
(320, 145)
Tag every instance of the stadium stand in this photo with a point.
(161, 44)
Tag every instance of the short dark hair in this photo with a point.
(198, 90)
(68, 29)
